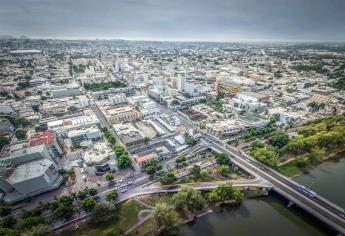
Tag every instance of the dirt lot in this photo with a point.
(147, 130)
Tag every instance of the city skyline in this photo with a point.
(221, 21)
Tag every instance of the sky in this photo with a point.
(180, 20)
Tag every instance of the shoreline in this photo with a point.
(218, 206)
(330, 157)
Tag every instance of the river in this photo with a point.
(269, 215)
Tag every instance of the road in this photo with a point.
(318, 206)
(137, 189)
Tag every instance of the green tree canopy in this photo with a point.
(168, 177)
(279, 138)
(112, 196)
(88, 204)
(165, 218)
(189, 198)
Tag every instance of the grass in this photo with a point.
(152, 199)
(290, 169)
(148, 228)
(128, 216)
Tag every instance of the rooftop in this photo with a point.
(46, 137)
(29, 170)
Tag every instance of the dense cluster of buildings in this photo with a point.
(55, 96)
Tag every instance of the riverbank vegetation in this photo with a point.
(114, 223)
(164, 213)
(314, 142)
(171, 210)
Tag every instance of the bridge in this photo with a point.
(317, 206)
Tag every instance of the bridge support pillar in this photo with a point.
(291, 203)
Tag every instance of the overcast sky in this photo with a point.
(202, 20)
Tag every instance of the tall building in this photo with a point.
(181, 82)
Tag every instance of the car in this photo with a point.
(123, 185)
(120, 181)
(124, 190)
(129, 182)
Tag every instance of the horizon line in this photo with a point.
(182, 40)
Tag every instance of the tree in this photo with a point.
(66, 200)
(225, 192)
(21, 122)
(146, 140)
(109, 177)
(7, 232)
(20, 134)
(112, 140)
(152, 166)
(168, 177)
(88, 204)
(189, 198)
(4, 93)
(112, 196)
(72, 108)
(4, 210)
(87, 192)
(92, 191)
(222, 159)
(124, 161)
(279, 138)
(315, 106)
(27, 223)
(38, 230)
(165, 218)
(119, 150)
(3, 141)
(223, 170)
(64, 211)
(189, 139)
(181, 161)
(266, 154)
(102, 211)
(196, 172)
(307, 131)
(33, 212)
(316, 155)
(104, 129)
(295, 146)
(8, 222)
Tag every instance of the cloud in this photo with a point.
(224, 20)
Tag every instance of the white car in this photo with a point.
(124, 190)
(129, 182)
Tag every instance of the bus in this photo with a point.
(307, 192)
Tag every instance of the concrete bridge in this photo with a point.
(317, 206)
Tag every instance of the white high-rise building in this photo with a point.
(181, 82)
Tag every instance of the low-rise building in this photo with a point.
(65, 90)
(116, 115)
(128, 134)
(226, 128)
(89, 133)
(143, 159)
(63, 126)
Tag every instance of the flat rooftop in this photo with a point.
(29, 170)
